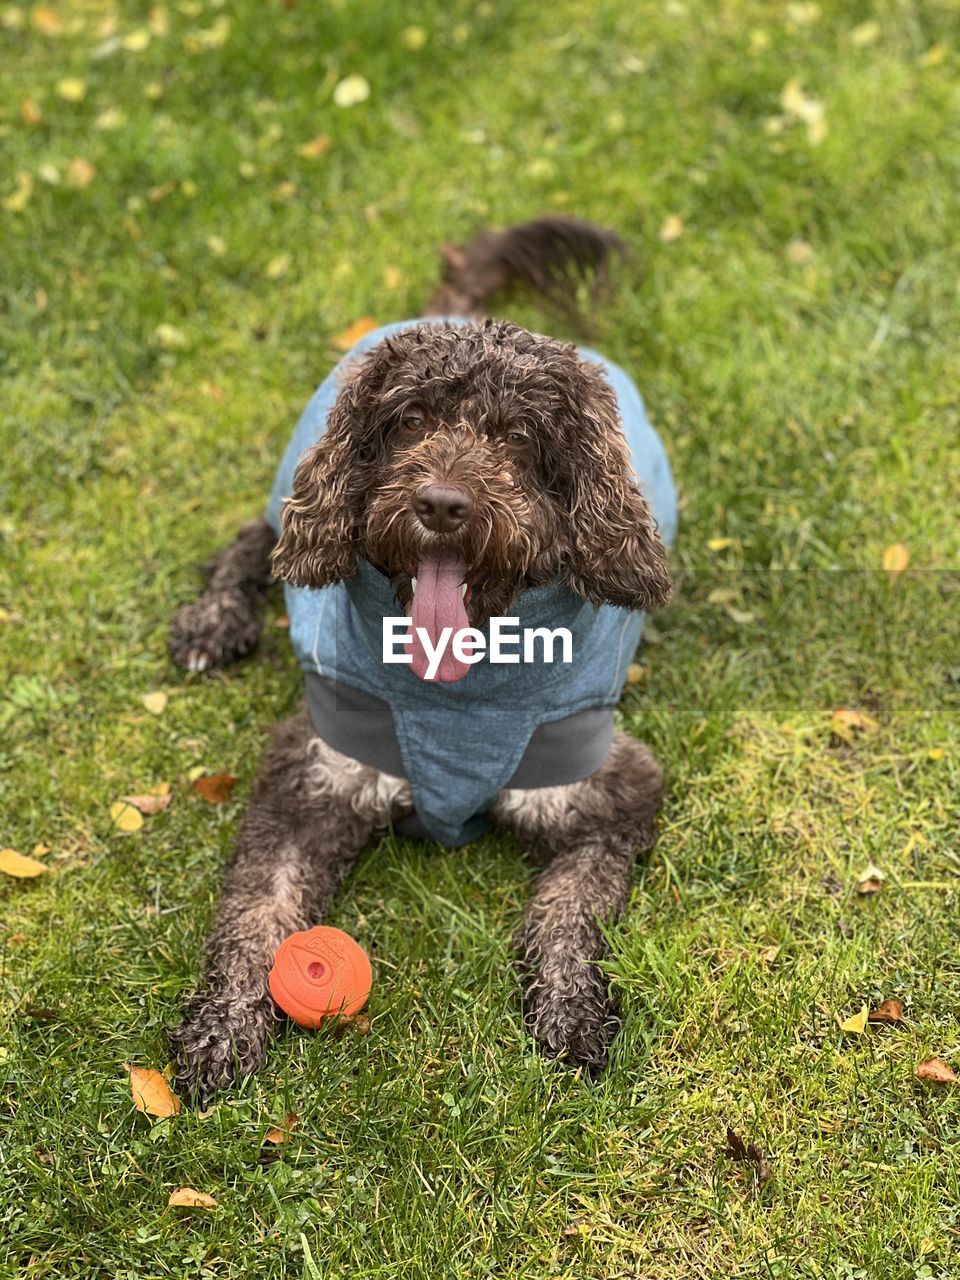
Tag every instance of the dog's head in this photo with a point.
(470, 463)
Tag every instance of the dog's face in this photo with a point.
(469, 463)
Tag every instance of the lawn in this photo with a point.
(188, 221)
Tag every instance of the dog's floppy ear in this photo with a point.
(322, 522)
(613, 552)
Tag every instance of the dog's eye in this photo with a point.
(412, 422)
(516, 437)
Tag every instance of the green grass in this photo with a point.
(811, 413)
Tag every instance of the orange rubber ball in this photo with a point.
(318, 974)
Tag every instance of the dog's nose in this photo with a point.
(442, 508)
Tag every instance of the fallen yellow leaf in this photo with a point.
(16, 864)
(112, 118)
(156, 703)
(80, 173)
(136, 41)
(414, 38)
(896, 558)
(857, 1023)
(351, 336)
(278, 266)
(846, 723)
(16, 202)
(72, 89)
(934, 55)
(125, 817)
(46, 21)
(169, 337)
(151, 1093)
(671, 228)
(719, 544)
(351, 90)
(187, 1198)
(864, 34)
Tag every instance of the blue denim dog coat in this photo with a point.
(462, 742)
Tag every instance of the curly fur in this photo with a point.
(559, 502)
(562, 503)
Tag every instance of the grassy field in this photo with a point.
(178, 255)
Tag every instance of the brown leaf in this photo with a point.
(937, 1070)
(150, 803)
(361, 1024)
(187, 1198)
(750, 1154)
(846, 723)
(80, 173)
(870, 880)
(318, 146)
(30, 113)
(889, 1011)
(151, 1093)
(277, 1136)
(283, 622)
(18, 865)
(215, 787)
(351, 336)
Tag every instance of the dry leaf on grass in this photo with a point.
(80, 173)
(187, 1198)
(671, 228)
(351, 336)
(846, 723)
(889, 1011)
(125, 817)
(896, 558)
(72, 89)
(30, 113)
(316, 147)
(936, 1070)
(750, 1154)
(18, 865)
(151, 1093)
(351, 90)
(156, 703)
(215, 787)
(153, 801)
(277, 1136)
(857, 1023)
(870, 880)
(47, 21)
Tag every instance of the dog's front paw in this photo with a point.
(219, 1041)
(571, 1014)
(217, 628)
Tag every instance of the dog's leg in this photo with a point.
(591, 831)
(224, 622)
(313, 811)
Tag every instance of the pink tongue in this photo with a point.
(438, 603)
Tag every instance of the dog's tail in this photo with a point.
(554, 256)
